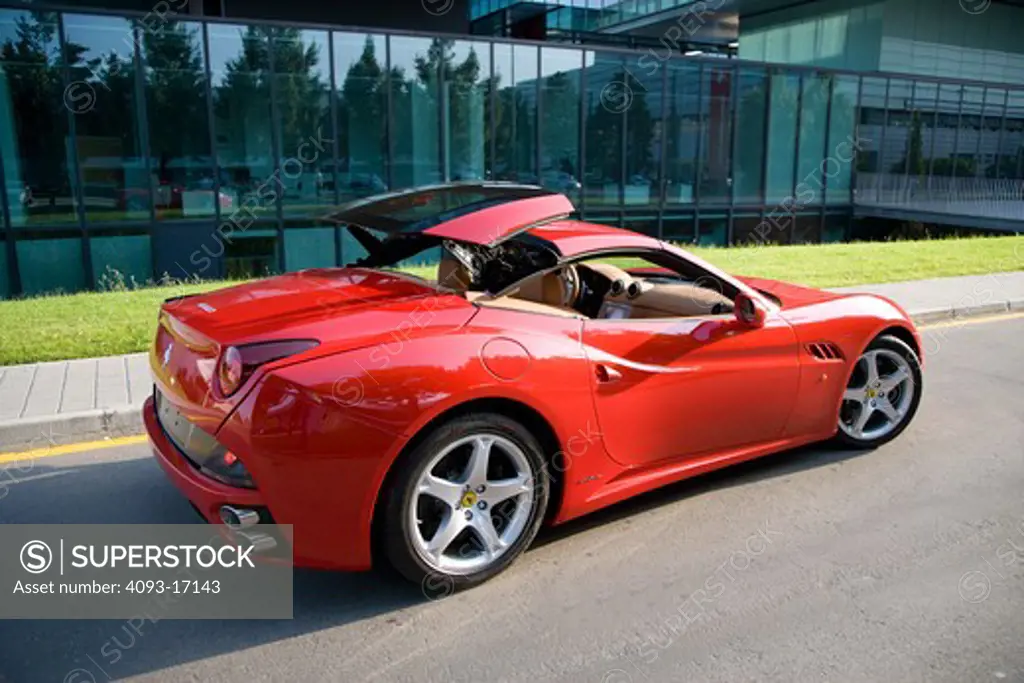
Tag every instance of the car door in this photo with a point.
(676, 388)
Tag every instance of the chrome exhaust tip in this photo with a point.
(238, 518)
(261, 543)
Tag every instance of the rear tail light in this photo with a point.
(237, 363)
(229, 372)
(224, 466)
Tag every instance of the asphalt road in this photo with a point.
(906, 563)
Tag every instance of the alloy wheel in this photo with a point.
(878, 397)
(472, 502)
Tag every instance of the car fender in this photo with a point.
(353, 414)
(849, 323)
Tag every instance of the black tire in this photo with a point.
(395, 532)
(896, 345)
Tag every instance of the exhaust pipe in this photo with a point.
(261, 543)
(238, 518)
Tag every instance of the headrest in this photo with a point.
(452, 275)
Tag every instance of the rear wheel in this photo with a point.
(465, 502)
(882, 394)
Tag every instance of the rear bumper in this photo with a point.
(205, 494)
(327, 498)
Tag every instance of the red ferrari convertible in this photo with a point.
(552, 367)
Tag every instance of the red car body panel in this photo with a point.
(572, 238)
(504, 220)
(320, 431)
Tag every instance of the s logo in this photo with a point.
(36, 557)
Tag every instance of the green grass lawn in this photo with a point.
(106, 323)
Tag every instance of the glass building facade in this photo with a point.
(918, 37)
(581, 15)
(138, 148)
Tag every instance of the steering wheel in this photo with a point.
(572, 286)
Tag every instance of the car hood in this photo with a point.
(787, 295)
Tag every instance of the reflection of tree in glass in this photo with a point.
(1008, 166)
(113, 79)
(415, 104)
(560, 134)
(301, 93)
(604, 141)
(465, 108)
(604, 135)
(414, 121)
(33, 74)
(513, 131)
(913, 158)
(241, 104)
(639, 137)
(175, 101)
(362, 143)
(107, 135)
(749, 150)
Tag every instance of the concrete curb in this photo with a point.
(54, 430)
(938, 315)
(51, 430)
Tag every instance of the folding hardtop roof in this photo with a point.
(485, 213)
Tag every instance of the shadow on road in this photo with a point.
(134, 491)
(778, 465)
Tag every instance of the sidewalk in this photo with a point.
(930, 301)
(44, 404)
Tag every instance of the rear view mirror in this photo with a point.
(749, 311)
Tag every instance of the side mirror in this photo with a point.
(749, 311)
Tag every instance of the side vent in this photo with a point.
(825, 351)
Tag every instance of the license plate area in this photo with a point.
(194, 443)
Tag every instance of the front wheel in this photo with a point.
(465, 502)
(882, 394)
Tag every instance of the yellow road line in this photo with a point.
(973, 321)
(51, 451)
(86, 446)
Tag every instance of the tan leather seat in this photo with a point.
(548, 288)
(452, 275)
(544, 294)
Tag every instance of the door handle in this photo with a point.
(607, 374)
